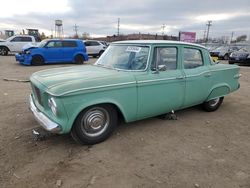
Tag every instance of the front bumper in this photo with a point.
(43, 120)
(24, 59)
(19, 57)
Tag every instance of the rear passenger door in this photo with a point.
(197, 76)
(69, 49)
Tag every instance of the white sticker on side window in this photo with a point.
(133, 49)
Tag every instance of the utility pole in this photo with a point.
(163, 28)
(118, 27)
(232, 35)
(75, 28)
(209, 24)
(204, 37)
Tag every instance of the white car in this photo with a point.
(15, 43)
(95, 48)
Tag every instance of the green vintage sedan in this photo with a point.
(132, 80)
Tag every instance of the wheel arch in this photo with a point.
(85, 57)
(120, 111)
(5, 47)
(219, 90)
(38, 54)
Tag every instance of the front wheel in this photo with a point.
(37, 60)
(95, 124)
(213, 104)
(4, 51)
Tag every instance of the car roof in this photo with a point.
(150, 42)
(63, 39)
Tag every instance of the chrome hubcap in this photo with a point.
(214, 102)
(95, 121)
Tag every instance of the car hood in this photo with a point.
(29, 46)
(72, 80)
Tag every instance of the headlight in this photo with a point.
(52, 105)
(248, 57)
(27, 52)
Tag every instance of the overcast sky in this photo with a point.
(99, 17)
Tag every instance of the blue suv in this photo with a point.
(54, 51)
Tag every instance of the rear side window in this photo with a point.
(192, 58)
(69, 44)
(26, 39)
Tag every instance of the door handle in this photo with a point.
(179, 77)
(208, 75)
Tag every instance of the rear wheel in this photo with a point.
(79, 59)
(95, 124)
(213, 104)
(37, 60)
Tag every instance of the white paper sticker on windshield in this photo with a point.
(133, 49)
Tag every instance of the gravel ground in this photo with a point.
(199, 149)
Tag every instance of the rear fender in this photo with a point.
(219, 90)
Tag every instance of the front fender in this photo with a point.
(219, 90)
(74, 113)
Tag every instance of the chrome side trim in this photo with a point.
(157, 80)
(90, 88)
(237, 76)
(194, 75)
(43, 120)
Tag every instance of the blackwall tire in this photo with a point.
(79, 59)
(37, 60)
(4, 51)
(213, 104)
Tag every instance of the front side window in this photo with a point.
(93, 43)
(166, 56)
(192, 58)
(125, 57)
(16, 39)
(54, 44)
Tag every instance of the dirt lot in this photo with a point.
(199, 149)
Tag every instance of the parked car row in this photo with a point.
(30, 52)
(223, 52)
(59, 51)
(241, 56)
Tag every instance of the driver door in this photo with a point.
(162, 88)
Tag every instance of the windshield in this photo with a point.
(124, 57)
(42, 44)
